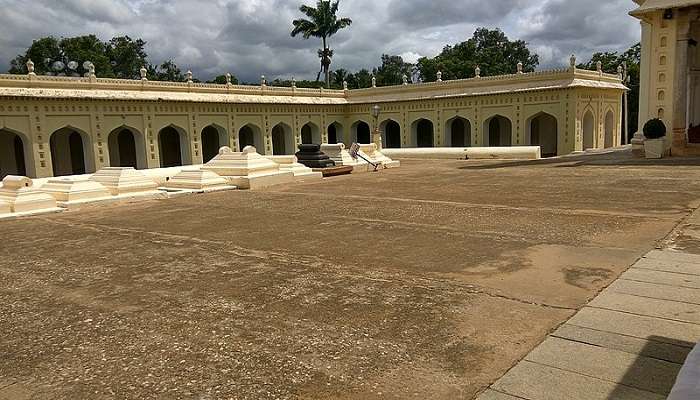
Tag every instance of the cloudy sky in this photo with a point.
(251, 37)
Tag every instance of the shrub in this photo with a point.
(654, 129)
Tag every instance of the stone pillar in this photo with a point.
(644, 86)
(679, 138)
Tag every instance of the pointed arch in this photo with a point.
(609, 129)
(71, 152)
(16, 157)
(127, 148)
(214, 137)
(310, 134)
(458, 132)
(251, 135)
(173, 145)
(588, 127)
(282, 140)
(498, 131)
(335, 133)
(423, 133)
(542, 129)
(360, 132)
(391, 133)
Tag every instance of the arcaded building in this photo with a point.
(55, 126)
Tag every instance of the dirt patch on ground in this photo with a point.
(429, 281)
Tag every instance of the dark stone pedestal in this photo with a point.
(311, 156)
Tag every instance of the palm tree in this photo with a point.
(322, 23)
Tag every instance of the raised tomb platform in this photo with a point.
(341, 156)
(312, 156)
(75, 190)
(248, 169)
(22, 198)
(301, 172)
(198, 181)
(372, 153)
(125, 182)
(468, 153)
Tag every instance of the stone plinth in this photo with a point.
(198, 180)
(247, 169)
(300, 171)
(121, 181)
(69, 191)
(5, 209)
(374, 155)
(342, 157)
(18, 192)
(312, 156)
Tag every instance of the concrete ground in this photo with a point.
(428, 281)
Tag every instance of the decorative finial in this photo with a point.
(520, 68)
(143, 72)
(228, 79)
(189, 76)
(263, 81)
(30, 67)
(439, 76)
(374, 81)
(599, 67)
(294, 82)
(477, 72)
(572, 61)
(345, 85)
(91, 70)
(619, 71)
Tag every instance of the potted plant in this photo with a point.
(655, 138)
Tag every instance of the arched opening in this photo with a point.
(542, 130)
(310, 134)
(335, 133)
(70, 152)
(251, 135)
(498, 131)
(361, 132)
(458, 133)
(609, 129)
(422, 133)
(173, 146)
(588, 131)
(282, 140)
(213, 138)
(126, 148)
(391, 134)
(12, 154)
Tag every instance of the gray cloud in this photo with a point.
(251, 37)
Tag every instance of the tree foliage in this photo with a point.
(491, 50)
(392, 70)
(321, 22)
(121, 57)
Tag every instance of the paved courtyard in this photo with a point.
(428, 281)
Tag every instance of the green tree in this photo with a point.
(221, 80)
(87, 48)
(127, 56)
(167, 71)
(610, 61)
(491, 50)
(392, 70)
(322, 23)
(340, 75)
(363, 79)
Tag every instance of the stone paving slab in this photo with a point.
(610, 365)
(647, 306)
(628, 343)
(494, 395)
(673, 256)
(649, 348)
(663, 278)
(661, 292)
(535, 381)
(667, 266)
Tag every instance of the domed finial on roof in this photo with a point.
(439, 76)
(477, 72)
(30, 67)
(228, 78)
(374, 81)
(520, 68)
(345, 85)
(405, 79)
(143, 71)
(599, 67)
(189, 76)
(572, 61)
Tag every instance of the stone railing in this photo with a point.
(479, 84)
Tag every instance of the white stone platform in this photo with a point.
(248, 169)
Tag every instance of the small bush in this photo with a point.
(654, 129)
